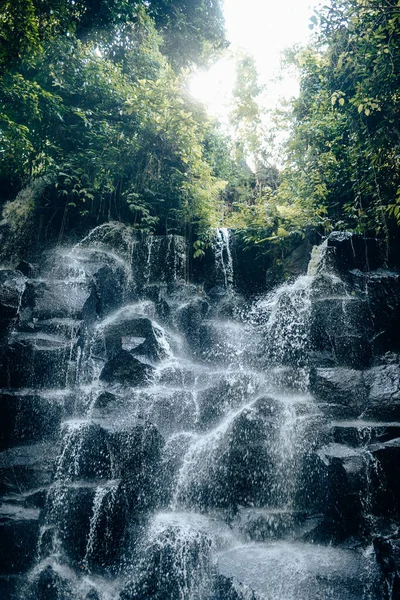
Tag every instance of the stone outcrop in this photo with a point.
(149, 425)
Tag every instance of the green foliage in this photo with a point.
(344, 150)
(104, 117)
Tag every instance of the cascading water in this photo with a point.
(196, 458)
(223, 257)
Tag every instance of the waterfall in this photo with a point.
(223, 257)
(200, 451)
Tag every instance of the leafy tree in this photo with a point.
(343, 154)
(102, 118)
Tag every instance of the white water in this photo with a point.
(227, 407)
(223, 257)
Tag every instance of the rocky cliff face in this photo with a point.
(172, 441)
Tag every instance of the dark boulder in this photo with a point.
(19, 530)
(383, 384)
(28, 418)
(90, 521)
(136, 456)
(385, 478)
(340, 386)
(340, 323)
(173, 457)
(358, 433)
(381, 292)
(226, 392)
(189, 318)
(36, 360)
(109, 283)
(92, 595)
(85, 452)
(177, 564)
(160, 258)
(126, 369)
(352, 251)
(26, 467)
(50, 585)
(66, 298)
(12, 286)
(26, 268)
(69, 509)
(345, 476)
(387, 551)
(135, 334)
(260, 524)
(234, 466)
(105, 401)
(225, 589)
(11, 586)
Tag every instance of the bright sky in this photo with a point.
(263, 28)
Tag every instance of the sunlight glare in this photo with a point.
(262, 28)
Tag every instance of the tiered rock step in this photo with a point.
(19, 531)
(264, 524)
(27, 467)
(31, 415)
(360, 432)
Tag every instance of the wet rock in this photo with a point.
(126, 369)
(362, 433)
(345, 473)
(137, 455)
(226, 393)
(163, 258)
(340, 386)
(172, 410)
(26, 268)
(12, 286)
(384, 392)
(385, 478)
(35, 499)
(91, 521)
(109, 285)
(108, 524)
(26, 467)
(352, 251)
(259, 525)
(50, 585)
(66, 328)
(189, 319)
(105, 401)
(387, 551)
(19, 529)
(176, 375)
(172, 460)
(10, 587)
(51, 299)
(113, 236)
(245, 461)
(222, 342)
(341, 325)
(138, 335)
(70, 509)
(92, 595)
(36, 360)
(177, 564)
(225, 589)
(235, 466)
(381, 290)
(85, 452)
(28, 418)
(287, 570)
